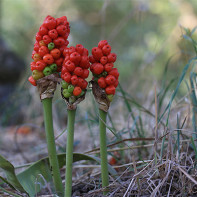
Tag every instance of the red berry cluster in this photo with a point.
(75, 71)
(51, 39)
(102, 67)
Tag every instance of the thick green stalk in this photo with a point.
(69, 152)
(103, 149)
(54, 165)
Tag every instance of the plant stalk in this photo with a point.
(69, 152)
(54, 165)
(103, 149)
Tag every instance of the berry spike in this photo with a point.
(74, 73)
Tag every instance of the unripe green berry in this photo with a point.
(66, 94)
(47, 71)
(110, 97)
(64, 84)
(53, 67)
(51, 45)
(70, 88)
(36, 74)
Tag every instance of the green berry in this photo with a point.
(47, 71)
(72, 99)
(36, 74)
(64, 84)
(53, 67)
(110, 97)
(70, 88)
(66, 93)
(51, 45)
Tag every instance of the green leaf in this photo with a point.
(9, 171)
(176, 90)
(30, 177)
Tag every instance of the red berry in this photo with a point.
(41, 43)
(84, 84)
(77, 91)
(59, 41)
(61, 30)
(85, 73)
(33, 53)
(33, 66)
(43, 50)
(55, 53)
(106, 49)
(87, 65)
(74, 80)
(66, 52)
(97, 53)
(110, 79)
(91, 59)
(75, 57)
(40, 65)
(71, 50)
(110, 89)
(98, 68)
(50, 23)
(53, 34)
(108, 67)
(61, 48)
(43, 30)
(36, 46)
(59, 61)
(62, 20)
(36, 57)
(84, 61)
(78, 71)
(101, 82)
(66, 42)
(48, 59)
(103, 60)
(38, 36)
(47, 39)
(32, 81)
(85, 52)
(114, 72)
(111, 57)
(70, 66)
(102, 43)
(64, 69)
(67, 77)
(67, 57)
(80, 49)
(116, 83)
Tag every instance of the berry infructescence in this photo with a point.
(51, 39)
(104, 81)
(102, 67)
(74, 72)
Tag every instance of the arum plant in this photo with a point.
(47, 62)
(104, 85)
(73, 74)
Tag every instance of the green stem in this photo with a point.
(69, 152)
(54, 165)
(103, 149)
